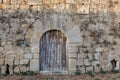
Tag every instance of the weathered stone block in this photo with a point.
(22, 1)
(73, 49)
(0, 1)
(97, 69)
(46, 1)
(28, 56)
(1, 49)
(19, 56)
(11, 70)
(62, 1)
(24, 61)
(1, 6)
(72, 35)
(17, 69)
(34, 65)
(83, 9)
(34, 2)
(3, 69)
(14, 1)
(10, 62)
(23, 68)
(6, 1)
(55, 1)
(80, 62)
(36, 56)
(3, 43)
(24, 7)
(73, 55)
(15, 6)
(95, 1)
(87, 62)
(82, 69)
(89, 68)
(70, 1)
(82, 1)
(1, 61)
(35, 49)
(97, 56)
(72, 64)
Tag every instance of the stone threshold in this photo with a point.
(54, 72)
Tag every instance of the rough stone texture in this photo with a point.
(3, 69)
(92, 28)
(34, 65)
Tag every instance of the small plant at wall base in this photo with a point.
(90, 73)
(97, 79)
(115, 71)
(26, 73)
(103, 72)
(78, 72)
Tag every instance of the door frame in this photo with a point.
(67, 56)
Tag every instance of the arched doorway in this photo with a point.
(53, 51)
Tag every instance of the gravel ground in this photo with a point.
(108, 76)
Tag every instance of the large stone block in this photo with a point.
(80, 62)
(36, 56)
(82, 69)
(3, 43)
(19, 56)
(72, 64)
(6, 1)
(87, 62)
(72, 35)
(95, 1)
(62, 1)
(70, 1)
(34, 65)
(1, 6)
(14, 1)
(11, 70)
(24, 7)
(90, 68)
(23, 68)
(34, 2)
(55, 1)
(10, 62)
(16, 62)
(95, 63)
(72, 55)
(0, 1)
(28, 56)
(83, 9)
(1, 61)
(24, 61)
(97, 56)
(17, 69)
(46, 1)
(82, 1)
(73, 49)
(3, 69)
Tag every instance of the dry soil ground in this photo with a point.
(108, 76)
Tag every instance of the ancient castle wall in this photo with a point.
(92, 28)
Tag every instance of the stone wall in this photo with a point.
(92, 28)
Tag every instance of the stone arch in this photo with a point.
(74, 38)
(53, 51)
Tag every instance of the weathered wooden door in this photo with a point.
(53, 51)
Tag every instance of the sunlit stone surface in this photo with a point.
(91, 28)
